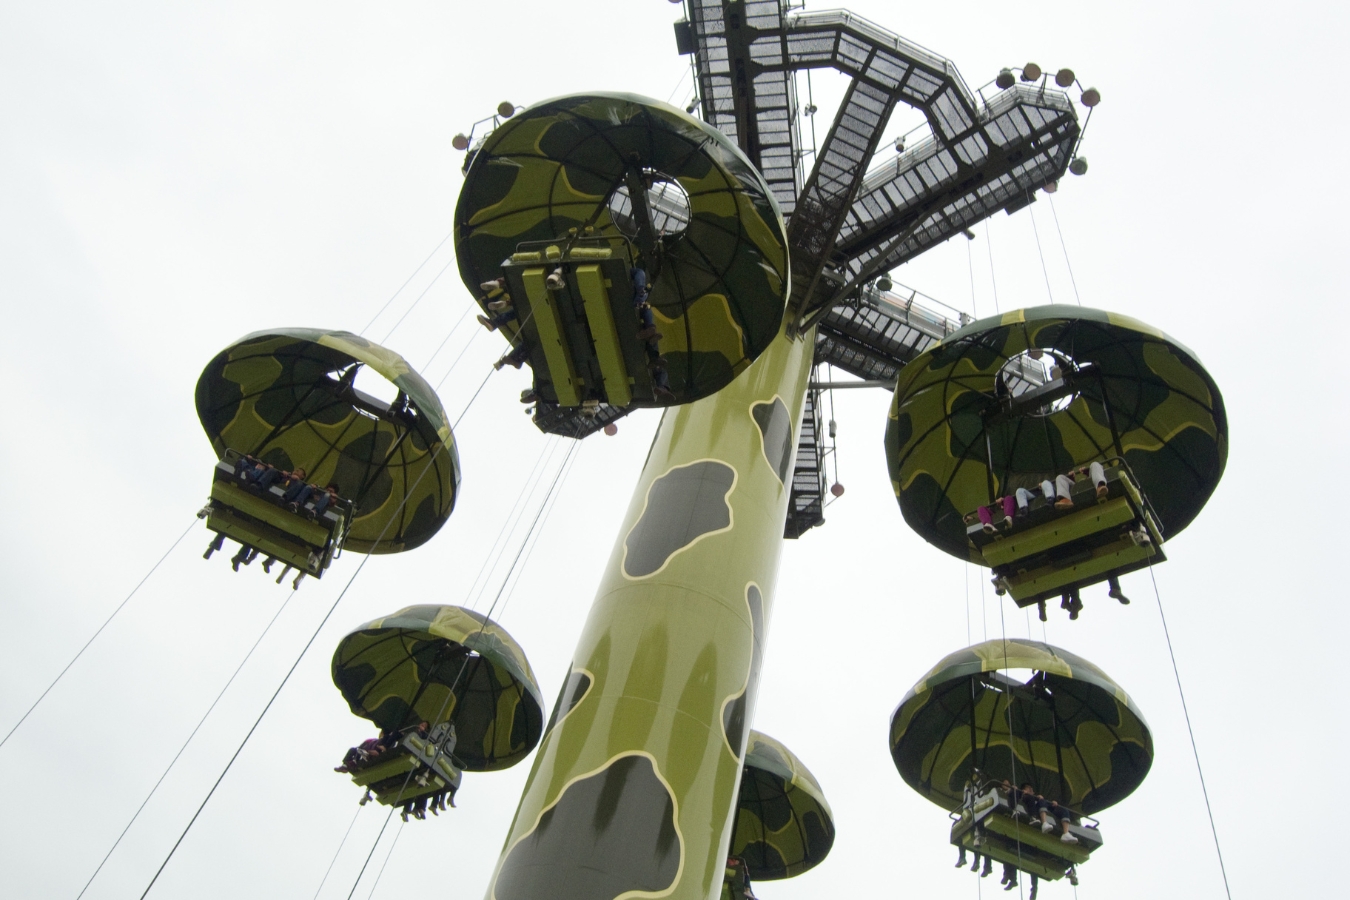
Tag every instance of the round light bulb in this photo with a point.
(611, 429)
(506, 109)
(1005, 79)
(1064, 78)
(837, 489)
(460, 141)
(1079, 165)
(1031, 72)
(1091, 97)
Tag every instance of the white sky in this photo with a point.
(175, 175)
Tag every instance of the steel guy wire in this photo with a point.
(406, 283)
(1223, 870)
(181, 749)
(105, 624)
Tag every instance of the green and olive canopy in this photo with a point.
(1128, 391)
(1068, 729)
(438, 664)
(285, 396)
(783, 824)
(721, 283)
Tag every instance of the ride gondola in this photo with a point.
(631, 254)
(970, 734)
(784, 825)
(1057, 445)
(310, 465)
(451, 692)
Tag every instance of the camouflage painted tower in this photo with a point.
(568, 211)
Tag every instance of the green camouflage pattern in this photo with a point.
(271, 395)
(395, 671)
(643, 766)
(1075, 734)
(719, 297)
(783, 824)
(1164, 407)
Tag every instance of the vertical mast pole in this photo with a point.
(635, 783)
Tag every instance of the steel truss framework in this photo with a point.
(851, 219)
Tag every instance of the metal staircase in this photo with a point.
(852, 219)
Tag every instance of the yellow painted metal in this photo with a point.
(293, 554)
(1120, 554)
(302, 529)
(1060, 531)
(552, 338)
(671, 646)
(604, 335)
(1032, 836)
(401, 763)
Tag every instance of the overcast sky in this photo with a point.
(175, 175)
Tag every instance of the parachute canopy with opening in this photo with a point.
(286, 396)
(783, 824)
(1067, 728)
(439, 664)
(1119, 388)
(716, 243)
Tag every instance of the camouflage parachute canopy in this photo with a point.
(285, 396)
(1127, 391)
(783, 824)
(721, 283)
(1069, 729)
(436, 664)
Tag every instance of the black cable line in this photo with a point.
(989, 246)
(389, 816)
(473, 398)
(1068, 264)
(338, 852)
(418, 300)
(406, 283)
(446, 339)
(1194, 749)
(450, 694)
(1031, 214)
(277, 692)
(106, 621)
(380, 874)
(181, 749)
(512, 521)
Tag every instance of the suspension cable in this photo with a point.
(1223, 870)
(510, 524)
(1012, 753)
(970, 264)
(965, 571)
(105, 624)
(564, 470)
(571, 450)
(1065, 248)
(463, 665)
(447, 237)
(181, 749)
(389, 816)
(437, 352)
(493, 554)
(467, 344)
(380, 874)
(988, 245)
(338, 852)
(469, 405)
(1039, 252)
(409, 310)
(282, 685)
